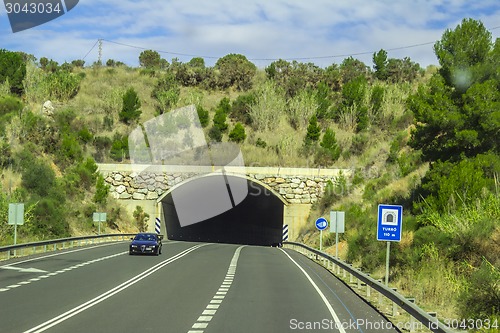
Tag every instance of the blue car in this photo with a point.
(146, 243)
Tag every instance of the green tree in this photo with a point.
(330, 145)
(78, 63)
(235, 70)
(351, 69)
(402, 70)
(313, 131)
(324, 100)
(150, 59)
(131, 107)
(101, 191)
(380, 64)
(462, 53)
(220, 120)
(237, 134)
(13, 69)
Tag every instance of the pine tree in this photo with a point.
(313, 131)
(329, 143)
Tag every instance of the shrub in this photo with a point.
(215, 134)
(481, 298)
(49, 219)
(241, 108)
(119, 148)
(203, 116)
(238, 133)
(141, 218)
(38, 177)
(62, 85)
(166, 92)
(220, 120)
(261, 143)
(359, 143)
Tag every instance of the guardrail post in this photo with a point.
(359, 281)
(433, 314)
(394, 305)
(412, 320)
(351, 277)
(45, 248)
(55, 247)
(34, 249)
(368, 289)
(379, 294)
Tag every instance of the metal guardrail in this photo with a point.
(44, 246)
(408, 305)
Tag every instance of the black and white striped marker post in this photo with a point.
(157, 225)
(285, 232)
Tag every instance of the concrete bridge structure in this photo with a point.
(274, 197)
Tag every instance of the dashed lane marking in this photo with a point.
(211, 308)
(45, 276)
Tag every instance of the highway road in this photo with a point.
(191, 287)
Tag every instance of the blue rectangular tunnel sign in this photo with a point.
(390, 222)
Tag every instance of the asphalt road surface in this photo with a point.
(191, 287)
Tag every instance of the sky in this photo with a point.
(318, 31)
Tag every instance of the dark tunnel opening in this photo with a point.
(252, 219)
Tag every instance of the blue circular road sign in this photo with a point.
(321, 224)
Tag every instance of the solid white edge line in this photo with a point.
(339, 325)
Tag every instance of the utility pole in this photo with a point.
(99, 60)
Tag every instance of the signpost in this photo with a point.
(337, 225)
(16, 217)
(389, 228)
(321, 224)
(99, 217)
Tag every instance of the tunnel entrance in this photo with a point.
(254, 219)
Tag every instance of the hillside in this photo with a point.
(424, 139)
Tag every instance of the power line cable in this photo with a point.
(267, 59)
(97, 41)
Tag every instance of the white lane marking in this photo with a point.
(62, 271)
(200, 325)
(96, 300)
(209, 312)
(219, 296)
(61, 253)
(23, 270)
(323, 297)
(73, 251)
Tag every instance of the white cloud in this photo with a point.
(255, 28)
